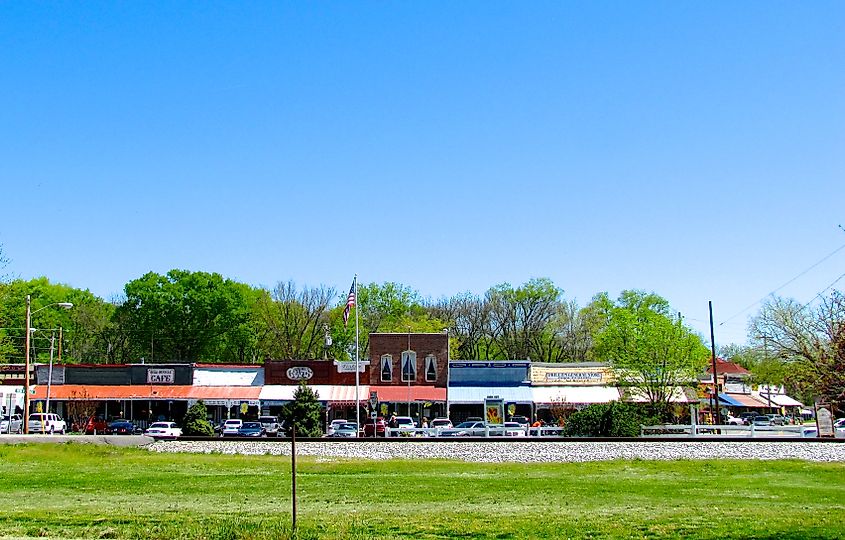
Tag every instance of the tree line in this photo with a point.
(185, 316)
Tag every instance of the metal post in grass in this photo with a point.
(293, 479)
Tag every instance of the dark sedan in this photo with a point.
(251, 429)
(120, 427)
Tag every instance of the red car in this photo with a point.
(96, 424)
(375, 428)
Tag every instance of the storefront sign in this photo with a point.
(349, 367)
(571, 376)
(160, 376)
(300, 373)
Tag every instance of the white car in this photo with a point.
(163, 430)
(13, 425)
(405, 426)
(334, 425)
(46, 423)
(514, 429)
(232, 427)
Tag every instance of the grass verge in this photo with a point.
(88, 491)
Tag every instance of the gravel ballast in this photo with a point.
(527, 452)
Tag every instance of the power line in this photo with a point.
(823, 291)
(749, 306)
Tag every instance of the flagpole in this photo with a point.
(357, 361)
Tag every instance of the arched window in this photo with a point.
(430, 368)
(409, 366)
(386, 368)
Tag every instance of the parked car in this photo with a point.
(120, 426)
(163, 430)
(465, 429)
(12, 425)
(348, 429)
(441, 423)
(405, 426)
(735, 421)
(748, 417)
(840, 423)
(334, 424)
(271, 425)
(231, 427)
(251, 429)
(46, 423)
(521, 420)
(514, 429)
(777, 420)
(96, 424)
(375, 427)
(761, 421)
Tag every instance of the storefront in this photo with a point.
(471, 382)
(332, 381)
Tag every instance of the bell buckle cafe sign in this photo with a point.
(160, 376)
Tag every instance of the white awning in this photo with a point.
(781, 400)
(331, 393)
(574, 395)
(635, 395)
(477, 394)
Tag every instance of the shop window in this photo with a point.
(430, 368)
(386, 368)
(409, 366)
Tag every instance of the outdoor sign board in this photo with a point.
(300, 373)
(160, 376)
(825, 422)
(349, 366)
(571, 375)
(494, 410)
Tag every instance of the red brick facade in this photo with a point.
(322, 372)
(435, 346)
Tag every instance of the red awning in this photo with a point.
(83, 392)
(398, 394)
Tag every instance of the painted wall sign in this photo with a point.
(300, 373)
(160, 376)
(571, 376)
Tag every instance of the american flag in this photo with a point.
(350, 301)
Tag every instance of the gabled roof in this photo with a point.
(727, 367)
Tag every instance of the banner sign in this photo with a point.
(494, 410)
(160, 376)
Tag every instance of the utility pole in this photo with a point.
(714, 412)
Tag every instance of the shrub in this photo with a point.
(613, 419)
(195, 421)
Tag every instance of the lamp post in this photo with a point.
(29, 314)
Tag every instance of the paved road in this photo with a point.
(114, 440)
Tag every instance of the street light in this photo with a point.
(29, 314)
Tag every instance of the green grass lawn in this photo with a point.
(74, 490)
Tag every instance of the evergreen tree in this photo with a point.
(304, 412)
(196, 421)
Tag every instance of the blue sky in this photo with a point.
(696, 150)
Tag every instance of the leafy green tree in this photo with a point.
(304, 412)
(653, 353)
(184, 316)
(809, 342)
(196, 421)
(521, 318)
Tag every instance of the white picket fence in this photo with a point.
(729, 430)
